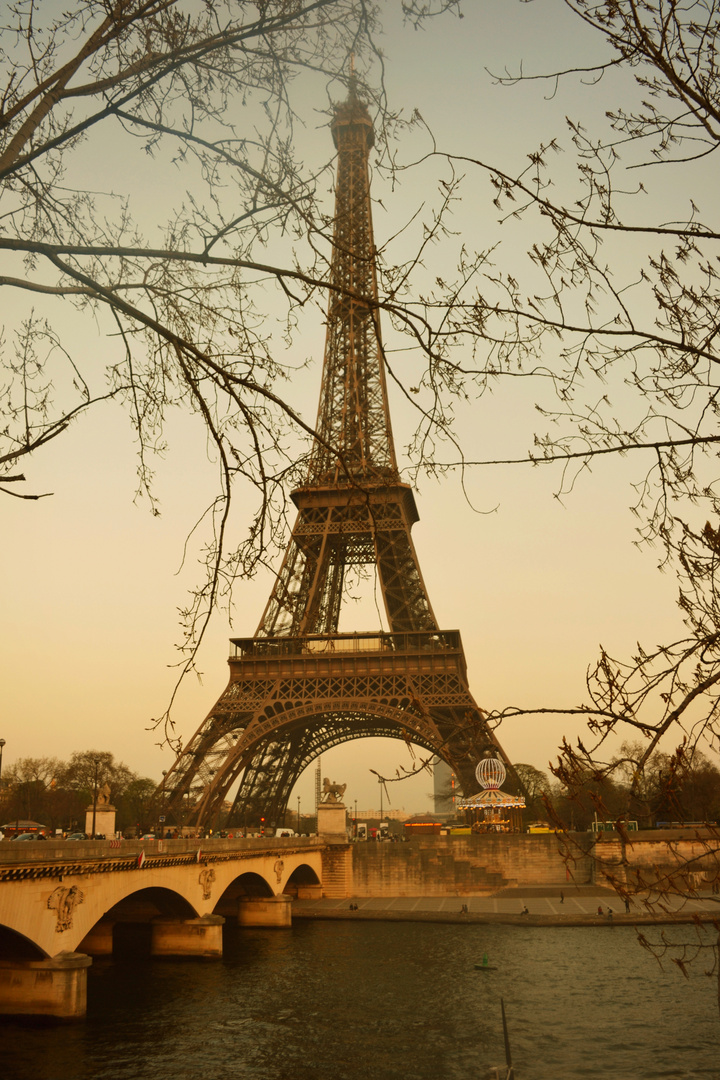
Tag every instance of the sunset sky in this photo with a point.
(92, 580)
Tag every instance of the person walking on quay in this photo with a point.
(562, 897)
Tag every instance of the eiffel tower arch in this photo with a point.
(298, 686)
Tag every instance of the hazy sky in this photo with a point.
(533, 583)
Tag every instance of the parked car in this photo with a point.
(29, 836)
(76, 836)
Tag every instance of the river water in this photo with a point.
(386, 1001)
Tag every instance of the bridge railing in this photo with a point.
(34, 851)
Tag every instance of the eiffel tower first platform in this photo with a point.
(299, 687)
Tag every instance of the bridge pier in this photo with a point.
(265, 911)
(54, 987)
(201, 937)
(309, 892)
(337, 870)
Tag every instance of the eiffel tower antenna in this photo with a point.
(299, 687)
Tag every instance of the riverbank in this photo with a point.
(527, 906)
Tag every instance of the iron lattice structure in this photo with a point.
(298, 687)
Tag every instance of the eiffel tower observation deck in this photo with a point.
(298, 686)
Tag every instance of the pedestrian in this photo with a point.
(600, 910)
(524, 911)
(562, 897)
(627, 905)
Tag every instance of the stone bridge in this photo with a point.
(63, 903)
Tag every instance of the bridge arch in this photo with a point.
(15, 946)
(150, 901)
(303, 883)
(248, 885)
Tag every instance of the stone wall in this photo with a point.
(467, 865)
(687, 859)
(474, 865)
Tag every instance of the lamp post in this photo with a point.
(161, 816)
(186, 809)
(298, 828)
(96, 762)
(355, 822)
(2, 743)
(381, 804)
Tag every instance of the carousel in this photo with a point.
(493, 810)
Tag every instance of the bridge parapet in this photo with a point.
(50, 858)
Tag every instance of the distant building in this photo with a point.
(387, 815)
(443, 788)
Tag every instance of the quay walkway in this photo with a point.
(579, 907)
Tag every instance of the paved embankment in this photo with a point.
(571, 906)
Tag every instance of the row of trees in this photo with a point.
(673, 788)
(57, 793)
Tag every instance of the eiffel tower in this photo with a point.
(299, 687)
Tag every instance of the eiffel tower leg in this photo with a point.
(468, 739)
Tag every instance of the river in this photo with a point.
(386, 1001)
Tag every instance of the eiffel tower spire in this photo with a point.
(353, 507)
(354, 431)
(298, 686)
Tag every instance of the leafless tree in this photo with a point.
(620, 311)
(202, 99)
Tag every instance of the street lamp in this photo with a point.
(96, 762)
(161, 816)
(2, 743)
(381, 802)
(355, 822)
(298, 828)
(17, 820)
